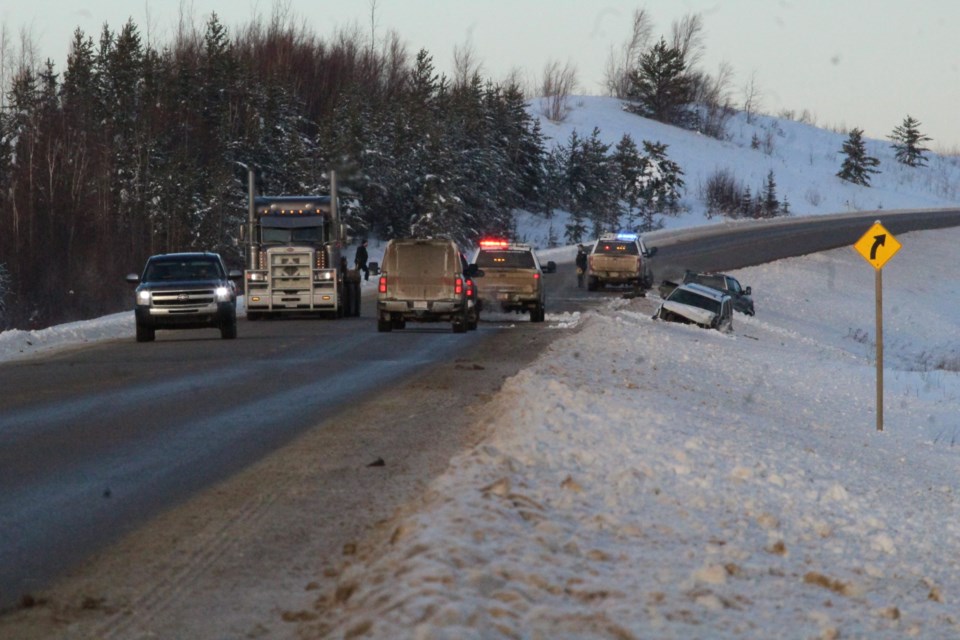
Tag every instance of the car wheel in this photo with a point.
(472, 323)
(591, 284)
(145, 333)
(460, 323)
(228, 328)
(398, 323)
(384, 325)
(537, 314)
(356, 299)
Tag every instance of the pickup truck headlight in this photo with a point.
(143, 297)
(222, 294)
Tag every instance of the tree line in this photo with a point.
(134, 150)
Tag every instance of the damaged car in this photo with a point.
(742, 296)
(697, 304)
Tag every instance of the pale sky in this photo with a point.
(849, 63)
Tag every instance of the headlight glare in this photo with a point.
(222, 293)
(143, 297)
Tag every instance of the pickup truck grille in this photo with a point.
(185, 299)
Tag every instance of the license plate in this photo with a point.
(420, 304)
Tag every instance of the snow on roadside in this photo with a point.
(645, 479)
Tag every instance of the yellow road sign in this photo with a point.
(877, 245)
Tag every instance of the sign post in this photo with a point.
(877, 246)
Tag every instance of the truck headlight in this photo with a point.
(143, 297)
(222, 294)
(256, 277)
(323, 274)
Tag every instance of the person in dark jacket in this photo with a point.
(581, 263)
(360, 260)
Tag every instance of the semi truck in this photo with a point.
(294, 257)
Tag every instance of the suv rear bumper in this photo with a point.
(422, 310)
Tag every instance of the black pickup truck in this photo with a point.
(742, 300)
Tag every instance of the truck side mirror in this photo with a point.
(748, 291)
(551, 267)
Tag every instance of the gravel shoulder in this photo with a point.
(248, 558)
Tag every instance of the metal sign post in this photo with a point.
(877, 246)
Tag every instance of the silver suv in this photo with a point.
(185, 291)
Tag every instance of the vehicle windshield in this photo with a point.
(185, 269)
(684, 296)
(505, 260)
(275, 235)
(714, 282)
(614, 247)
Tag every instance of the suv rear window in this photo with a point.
(615, 247)
(424, 258)
(505, 260)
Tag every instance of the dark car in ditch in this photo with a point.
(742, 296)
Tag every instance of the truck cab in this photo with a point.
(619, 259)
(512, 278)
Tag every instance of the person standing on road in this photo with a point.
(581, 263)
(360, 260)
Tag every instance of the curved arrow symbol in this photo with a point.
(878, 241)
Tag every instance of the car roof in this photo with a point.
(185, 255)
(703, 290)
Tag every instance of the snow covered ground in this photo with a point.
(652, 480)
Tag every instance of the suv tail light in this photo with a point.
(383, 284)
(458, 286)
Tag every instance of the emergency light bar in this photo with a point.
(627, 236)
(494, 243)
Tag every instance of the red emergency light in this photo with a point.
(494, 243)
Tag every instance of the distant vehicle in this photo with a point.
(423, 280)
(185, 291)
(696, 304)
(512, 278)
(742, 300)
(620, 259)
(295, 259)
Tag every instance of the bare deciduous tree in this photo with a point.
(373, 25)
(620, 63)
(465, 64)
(751, 97)
(687, 38)
(558, 83)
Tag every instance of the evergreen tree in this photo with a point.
(746, 203)
(770, 203)
(660, 87)
(857, 165)
(908, 143)
(661, 179)
(626, 158)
